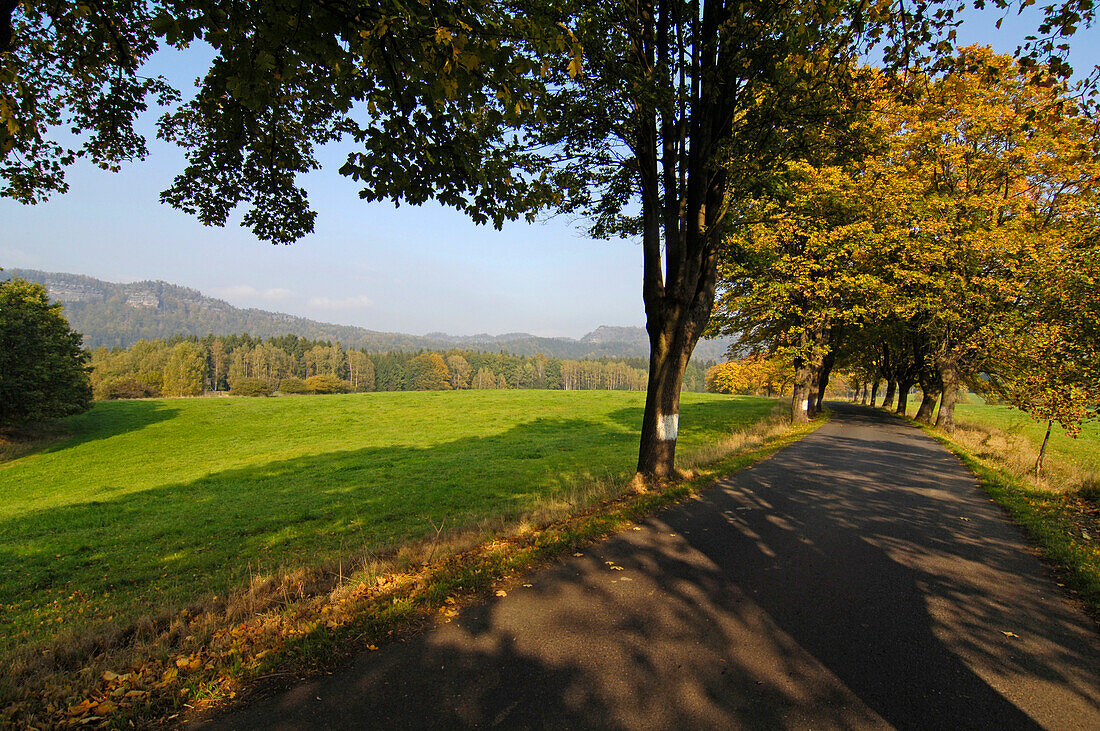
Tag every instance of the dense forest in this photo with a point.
(289, 364)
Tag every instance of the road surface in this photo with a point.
(858, 578)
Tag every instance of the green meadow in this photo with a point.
(1082, 451)
(146, 506)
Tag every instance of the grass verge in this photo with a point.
(170, 667)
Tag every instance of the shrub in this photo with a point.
(325, 383)
(293, 385)
(249, 387)
(123, 387)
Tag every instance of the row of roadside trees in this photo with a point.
(949, 237)
(652, 121)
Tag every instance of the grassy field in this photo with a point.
(151, 505)
(1082, 452)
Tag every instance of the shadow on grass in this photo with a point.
(102, 421)
(178, 542)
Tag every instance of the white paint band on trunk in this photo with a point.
(668, 426)
(805, 404)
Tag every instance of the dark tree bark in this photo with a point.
(823, 377)
(891, 390)
(681, 196)
(904, 387)
(930, 388)
(949, 375)
(669, 355)
(874, 391)
(800, 399)
(927, 405)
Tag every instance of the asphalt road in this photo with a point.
(859, 578)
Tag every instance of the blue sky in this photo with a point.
(408, 269)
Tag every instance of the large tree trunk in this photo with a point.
(927, 405)
(670, 350)
(803, 384)
(930, 388)
(949, 374)
(874, 391)
(891, 389)
(903, 396)
(811, 400)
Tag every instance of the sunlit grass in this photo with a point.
(152, 505)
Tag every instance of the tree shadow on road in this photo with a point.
(769, 602)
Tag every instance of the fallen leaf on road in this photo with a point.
(578, 554)
(966, 519)
(527, 586)
(501, 592)
(1009, 634)
(616, 568)
(635, 528)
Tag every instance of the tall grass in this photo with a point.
(1010, 439)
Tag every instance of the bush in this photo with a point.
(327, 384)
(249, 387)
(292, 386)
(123, 387)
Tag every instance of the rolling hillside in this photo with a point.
(114, 314)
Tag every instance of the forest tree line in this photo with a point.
(289, 364)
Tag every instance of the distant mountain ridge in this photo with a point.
(113, 314)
